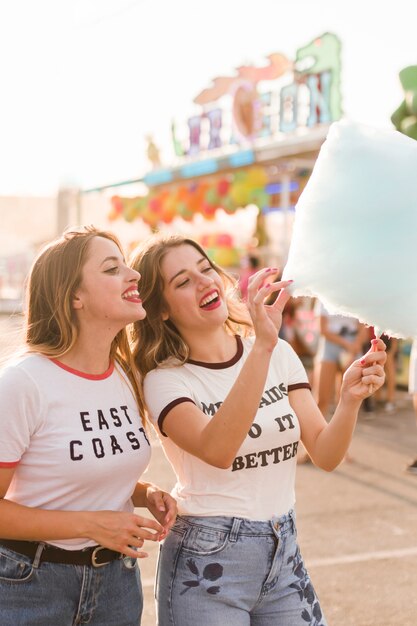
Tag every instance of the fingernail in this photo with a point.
(374, 342)
(362, 361)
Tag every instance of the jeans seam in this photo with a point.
(17, 562)
(173, 578)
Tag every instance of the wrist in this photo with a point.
(141, 493)
(349, 402)
(85, 525)
(264, 347)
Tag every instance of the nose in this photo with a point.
(134, 276)
(205, 281)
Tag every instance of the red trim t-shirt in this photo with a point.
(76, 441)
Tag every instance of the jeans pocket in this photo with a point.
(204, 541)
(13, 569)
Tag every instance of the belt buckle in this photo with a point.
(94, 557)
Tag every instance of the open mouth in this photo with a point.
(132, 295)
(210, 299)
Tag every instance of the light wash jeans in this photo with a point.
(222, 571)
(51, 594)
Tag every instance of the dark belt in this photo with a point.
(97, 556)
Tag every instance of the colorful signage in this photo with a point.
(240, 109)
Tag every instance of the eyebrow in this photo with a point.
(115, 259)
(203, 258)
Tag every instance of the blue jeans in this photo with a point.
(51, 594)
(214, 571)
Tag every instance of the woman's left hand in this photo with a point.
(366, 375)
(162, 506)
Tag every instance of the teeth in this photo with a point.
(131, 294)
(209, 299)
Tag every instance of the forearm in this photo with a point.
(226, 431)
(333, 441)
(139, 494)
(22, 522)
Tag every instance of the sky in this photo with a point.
(83, 82)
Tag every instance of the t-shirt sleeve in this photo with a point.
(296, 375)
(164, 388)
(20, 414)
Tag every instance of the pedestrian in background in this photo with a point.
(340, 343)
(230, 401)
(412, 389)
(390, 386)
(73, 445)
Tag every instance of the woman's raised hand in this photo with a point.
(365, 375)
(267, 318)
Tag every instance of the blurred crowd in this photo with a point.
(327, 344)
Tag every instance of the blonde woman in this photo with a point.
(73, 445)
(230, 402)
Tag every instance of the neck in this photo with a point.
(90, 355)
(213, 347)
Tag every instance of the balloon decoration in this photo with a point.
(228, 192)
(220, 248)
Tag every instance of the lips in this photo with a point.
(210, 300)
(131, 295)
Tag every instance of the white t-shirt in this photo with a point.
(76, 441)
(260, 482)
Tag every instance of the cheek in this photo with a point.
(175, 302)
(179, 312)
(174, 310)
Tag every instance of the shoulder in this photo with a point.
(284, 350)
(23, 385)
(23, 367)
(165, 387)
(286, 359)
(164, 373)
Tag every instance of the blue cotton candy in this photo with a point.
(354, 241)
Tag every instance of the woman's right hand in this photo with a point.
(267, 318)
(123, 532)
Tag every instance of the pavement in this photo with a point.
(357, 526)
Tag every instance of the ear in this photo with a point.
(77, 303)
(165, 316)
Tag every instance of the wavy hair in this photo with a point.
(156, 340)
(51, 324)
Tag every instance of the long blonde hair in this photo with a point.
(51, 324)
(156, 340)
